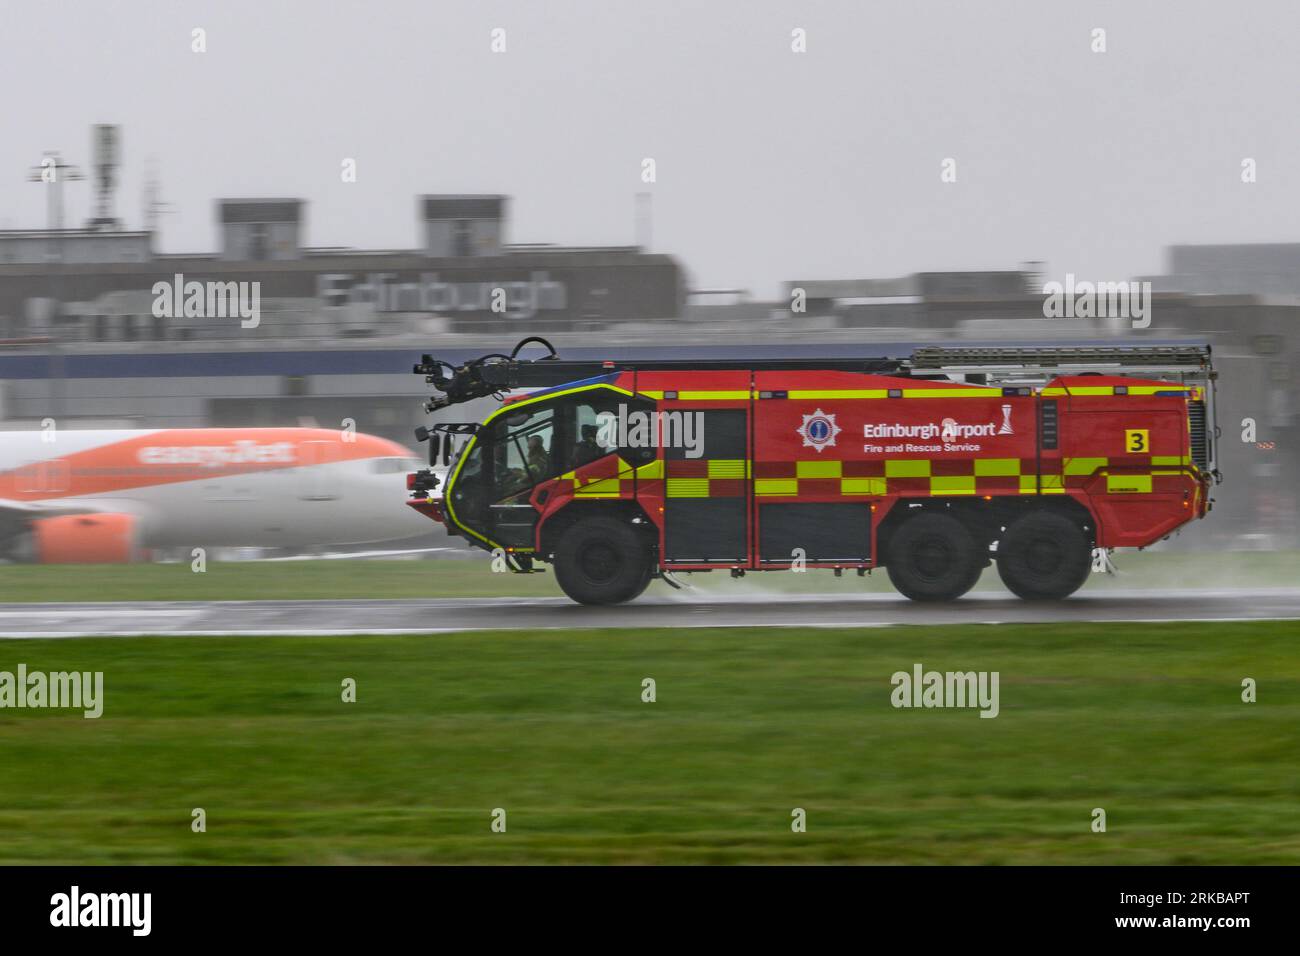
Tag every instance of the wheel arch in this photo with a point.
(554, 525)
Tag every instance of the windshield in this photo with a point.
(512, 455)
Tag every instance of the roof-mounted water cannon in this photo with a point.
(487, 375)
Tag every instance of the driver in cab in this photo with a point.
(588, 450)
(519, 480)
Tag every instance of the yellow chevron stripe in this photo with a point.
(687, 487)
(721, 396)
(728, 468)
(951, 392)
(1110, 389)
(1084, 466)
(1152, 389)
(997, 467)
(816, 394)
(818, 469)
(862, 486)
(600, 488)
(907, 468)
(952, 485)
(1118, 484)
(1081, 390)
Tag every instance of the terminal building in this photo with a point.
(94, 286)
(98, 328)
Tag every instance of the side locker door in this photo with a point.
(706, 486)
(816, 484)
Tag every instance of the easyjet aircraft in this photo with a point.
(108, 496)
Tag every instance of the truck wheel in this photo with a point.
(1043, 557)
(602, 561)
(645, 581)
(933, 557)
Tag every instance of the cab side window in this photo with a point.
(592, 434)
(605, 423)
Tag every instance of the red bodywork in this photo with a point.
(1122, 452)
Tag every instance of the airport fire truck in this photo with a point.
(932, 464)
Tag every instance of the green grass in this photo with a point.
(259, 580)
(307, 580)
(1143, 720)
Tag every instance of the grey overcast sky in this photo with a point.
(771, 165)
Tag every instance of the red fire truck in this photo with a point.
(932, 465)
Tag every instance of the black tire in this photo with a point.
(933, 557)
(1044, 556)
(645, 582)
(602, 561)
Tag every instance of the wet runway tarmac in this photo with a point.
(687, 609)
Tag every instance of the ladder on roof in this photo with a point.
(1018, 366)
(1034, 364)
(1031, 365)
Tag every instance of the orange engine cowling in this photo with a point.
(86, 539)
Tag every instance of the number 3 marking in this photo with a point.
(1136, 441)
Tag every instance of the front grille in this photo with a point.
(1199, 436)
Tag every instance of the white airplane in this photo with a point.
(110, 496)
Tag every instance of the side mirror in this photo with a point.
(435, 447)
(446, 451)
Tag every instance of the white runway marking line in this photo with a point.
(46, 610)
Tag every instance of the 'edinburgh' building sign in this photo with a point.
(429, 293)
